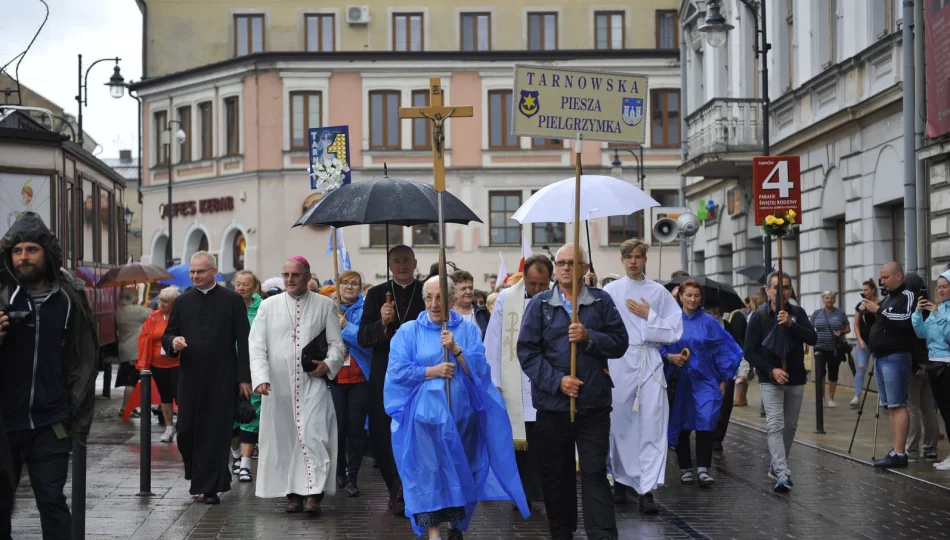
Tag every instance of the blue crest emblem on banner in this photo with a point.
(632, 110)
(530, 103)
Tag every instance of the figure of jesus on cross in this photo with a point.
(437, 113)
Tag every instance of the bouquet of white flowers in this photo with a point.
(328, 176)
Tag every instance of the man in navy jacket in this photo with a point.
(544, 350)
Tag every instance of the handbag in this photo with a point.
(840, 347)
(244, 412)
(316, 350)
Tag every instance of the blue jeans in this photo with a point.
(893, 376)
(861, 360)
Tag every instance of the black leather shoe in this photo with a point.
(620, 493)
(352, 490)
(294, 506)
(340, 482)
(212, 498)
(648, 505)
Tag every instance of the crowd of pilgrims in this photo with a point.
(476, 407)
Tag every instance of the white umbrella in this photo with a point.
(601, 196)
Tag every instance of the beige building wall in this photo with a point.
(184, 34)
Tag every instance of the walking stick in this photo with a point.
(780, 283)
(577, 258)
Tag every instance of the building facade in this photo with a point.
(245, 81)
(835, 87)
(128, 167)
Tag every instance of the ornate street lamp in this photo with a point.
(116, 86)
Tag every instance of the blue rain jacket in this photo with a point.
(936, 328)
(714, 357)
(362, 355)
(448, 458)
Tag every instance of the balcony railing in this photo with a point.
(724, 125)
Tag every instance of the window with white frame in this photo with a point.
(319, 32)
(232, 129)
(827, 28)
(475, 31)
(608, 29)
(542, 31)
(248, 34)
(408, 33)
(882, 18)
(384, 123)
(305, 113)
(184, 119)
(206, 129)
(160, 124)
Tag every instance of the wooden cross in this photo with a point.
(437, 113)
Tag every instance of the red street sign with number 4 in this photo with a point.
(776, 186)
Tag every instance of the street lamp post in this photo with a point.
(639, 159)
(116, 86)
(128, 227)
(715, 28)
(180, 138)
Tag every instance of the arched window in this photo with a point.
(237, 253)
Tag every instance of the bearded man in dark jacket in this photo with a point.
(48, 348)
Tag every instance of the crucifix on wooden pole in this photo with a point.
(437, 113)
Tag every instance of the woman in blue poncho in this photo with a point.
(448, 459)
(349, 390)
(703, 372)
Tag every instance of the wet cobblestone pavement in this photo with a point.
(833, 498)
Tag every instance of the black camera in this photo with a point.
(14, 315)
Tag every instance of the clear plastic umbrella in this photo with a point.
(601, 196)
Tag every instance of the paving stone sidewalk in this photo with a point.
(833, 498)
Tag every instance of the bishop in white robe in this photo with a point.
(298, 428)
(501, 352)
(638, 442)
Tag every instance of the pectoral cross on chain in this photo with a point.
(437, 113)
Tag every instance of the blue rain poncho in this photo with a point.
(363, 356)
(714, 358)
(448, 459)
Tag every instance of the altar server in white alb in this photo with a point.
(638, 442)
(501, 352)
(298, 432)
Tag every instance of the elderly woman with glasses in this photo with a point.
(152, 357)
(451, 436)
(349, 390)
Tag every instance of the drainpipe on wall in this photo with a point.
(684, 250)
(923, 186)
(143, 7)
(910, 167)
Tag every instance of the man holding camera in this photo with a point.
(48, 345)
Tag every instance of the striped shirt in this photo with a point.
(825, 323)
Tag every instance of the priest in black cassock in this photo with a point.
(208, 330)
(381, 319)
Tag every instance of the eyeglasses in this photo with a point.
(197, 271)
(350, 284)
(569, 264)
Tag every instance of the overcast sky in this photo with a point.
(94, 28)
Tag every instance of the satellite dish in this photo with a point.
(665, 230)
(688, 224)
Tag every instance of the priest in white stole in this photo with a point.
(298, 431)
(501, 351)
(638, 422)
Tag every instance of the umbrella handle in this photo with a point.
(685, 352)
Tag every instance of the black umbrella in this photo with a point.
(388, 201)
(714, 292)
(385, 200)
(755, 272)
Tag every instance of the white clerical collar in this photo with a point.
(205, 291)
(303, 294)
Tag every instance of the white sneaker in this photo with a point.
(943, 465)
(854, 402)
(832, 404)
(169, 434)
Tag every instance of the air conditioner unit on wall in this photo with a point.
(357, 14)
